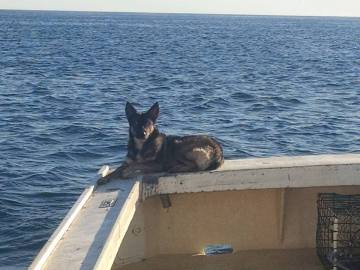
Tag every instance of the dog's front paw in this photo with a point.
(125, 172)
(103, 180)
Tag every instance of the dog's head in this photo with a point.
(142, 125)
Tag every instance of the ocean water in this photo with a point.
(262, 85)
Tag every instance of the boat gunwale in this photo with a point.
(50, 245)
(261, 173)
(223, 179)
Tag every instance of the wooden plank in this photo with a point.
(119, 229)
(279, 172)
(89, 237)
(86, 242)
(290, 161)
(54, 239)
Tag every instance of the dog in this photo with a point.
(152, 152)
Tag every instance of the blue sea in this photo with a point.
(262, 85)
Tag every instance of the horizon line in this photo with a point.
(183, 13)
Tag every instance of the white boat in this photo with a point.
(264, 209)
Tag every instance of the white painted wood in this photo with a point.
(133, 246)
(290, 161)
(51, 244)
(278, 172)
(119, 229)
(89, 237)
(81, 247)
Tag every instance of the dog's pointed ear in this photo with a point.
(154, 111)
(130, 110)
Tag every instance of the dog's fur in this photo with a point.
(150, 151)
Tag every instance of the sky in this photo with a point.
(248, 7)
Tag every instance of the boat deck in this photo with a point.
(290, 259)
(279, 192)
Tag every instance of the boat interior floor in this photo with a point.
(289, 259)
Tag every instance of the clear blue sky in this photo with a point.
(271, 7)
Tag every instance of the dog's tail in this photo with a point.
(218, 156)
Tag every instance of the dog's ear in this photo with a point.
(130, 111)
(154, 111)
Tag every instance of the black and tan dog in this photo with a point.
(150, 151)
